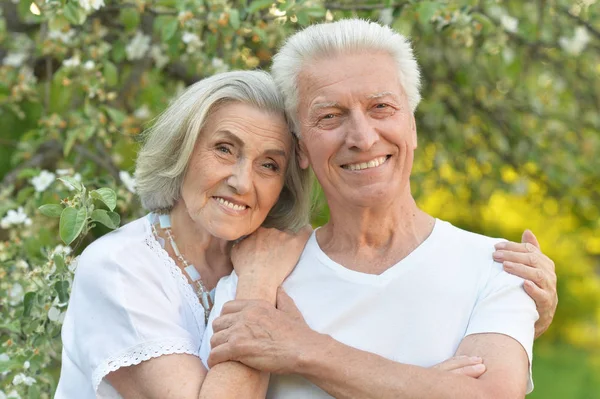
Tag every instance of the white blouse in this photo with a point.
(129, 303)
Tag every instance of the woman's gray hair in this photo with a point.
(163, 159)
(327, 40)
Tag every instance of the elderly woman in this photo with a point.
(219, 163)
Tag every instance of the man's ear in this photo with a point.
(302, 154)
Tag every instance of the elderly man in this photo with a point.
(385, 291)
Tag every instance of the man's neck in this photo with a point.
(371, 240)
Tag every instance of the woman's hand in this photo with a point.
(471, 366)
(527, 261)
(268, 256)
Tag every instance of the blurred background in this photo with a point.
(509, 139)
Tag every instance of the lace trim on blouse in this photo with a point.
(182, 281)
(143, 352)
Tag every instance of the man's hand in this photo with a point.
(527, 261)
(260, 336)
(471, 366)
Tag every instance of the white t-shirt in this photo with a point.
(129, 303)
(416, 312)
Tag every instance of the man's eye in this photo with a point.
(329, 116)
(224, 149)
(381, 106)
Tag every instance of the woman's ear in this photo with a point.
(302, 154)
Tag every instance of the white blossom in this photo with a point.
(13, 395)
(142, 112)
(386, 16)
(89, 65)
(127, 180)
(577, 43)
(160, 59)
(42, 181)
(26, 365)
(219, 65)
(65, 37)
(15, 294)
(14, 218)
(23, 379)
(192, 42)
(88, 5)
(510, 24)
(4, 357)
(3, 395)
(53, 313)
(63, 172)
(72, 62)
(61, 250)
(22, 264)
(138, 46)
(15, 59)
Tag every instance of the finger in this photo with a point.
(458, 362)
(516, 247)
(539, 296)
(475, 370)
(237, 305)
(286, 304)
(529, 237)
(538, 276)
(220, 338)
(223, 322)
(535, 260)
(219, 354)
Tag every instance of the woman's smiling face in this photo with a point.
(237, 170)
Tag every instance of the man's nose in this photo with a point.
(361, 135)
(241, 177)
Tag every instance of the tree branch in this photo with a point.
(580, 21)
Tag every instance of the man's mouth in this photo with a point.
(373, 163)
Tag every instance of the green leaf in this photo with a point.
(71, 182)
(62, 289)
(426, 11)
(111, 74)
(107, 196)
(28, 303)
(117, 116)
(258, 5)
(27, 173)
(167, 26)
(12, 364)
(72, 222)
(234, 19)
(303, 18)
(130, 18)
(109, 219)
(72, 136)
(51, 210)
(59, 261)
(118, 51)
(74, 13)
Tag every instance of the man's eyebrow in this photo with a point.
(275, 152)
(330, 104)
(381, 94)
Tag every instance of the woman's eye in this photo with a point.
(381, 106)
(329, 116)
(272, 166)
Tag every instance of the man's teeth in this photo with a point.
(366, 165)
(230, 205)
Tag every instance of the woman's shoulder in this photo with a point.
(127, 246)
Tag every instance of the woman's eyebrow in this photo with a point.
(231, 136)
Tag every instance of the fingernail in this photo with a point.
(500, 245)
(498, 255)
(475, 359)
(507, 265)
(479, 367)
(528, 283)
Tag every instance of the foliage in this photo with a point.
(508, 132)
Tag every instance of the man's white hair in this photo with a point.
(326, 40)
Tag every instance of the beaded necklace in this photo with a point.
(189, 269)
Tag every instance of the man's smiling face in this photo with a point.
(357, 128)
